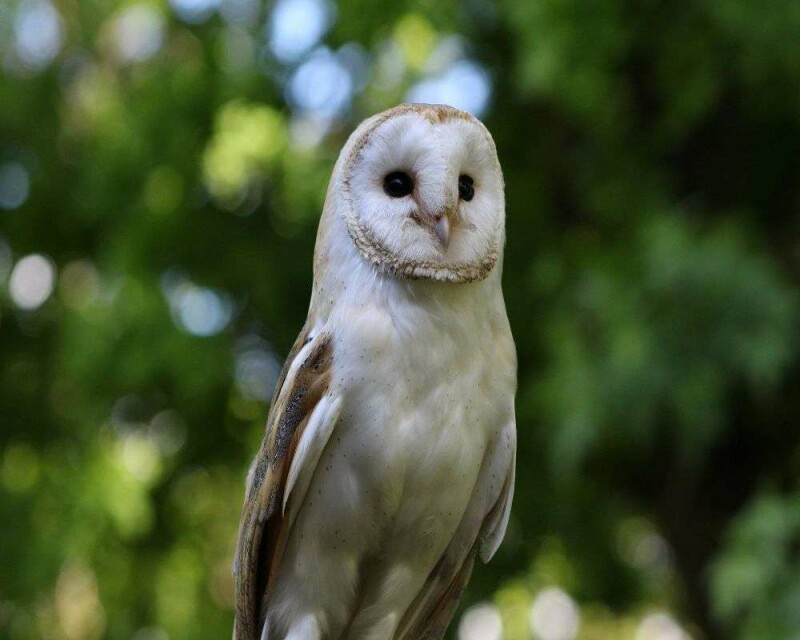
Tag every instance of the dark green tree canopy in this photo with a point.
(162, 169)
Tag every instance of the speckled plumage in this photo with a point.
(388, 460)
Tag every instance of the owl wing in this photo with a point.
(480, 532)
(301, 419)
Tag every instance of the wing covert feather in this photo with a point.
(302, 387)
(494, 525)
(482, 528)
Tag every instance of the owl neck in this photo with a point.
(344, 277)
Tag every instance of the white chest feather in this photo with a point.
(416, 417)
(421, 401)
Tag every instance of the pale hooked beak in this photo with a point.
(442, 230)
(439, 222)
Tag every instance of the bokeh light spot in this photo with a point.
(465, 85)
(416, 38)
(38, 34)
(167, 431)
(247, 139)
(202, 312)
(307, 131)
(296, 26)
(139, 32)
(481, 622)
(554, 615)
(660, 626)
(141, 457)
(641, 546)
(194, 11)
(14, 185)
(321, 85)
(32, 281)
(256, 369)
(80, 612)
(197, 310)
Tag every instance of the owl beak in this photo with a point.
(439, 222)
(441, 227)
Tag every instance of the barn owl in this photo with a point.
(388, 459)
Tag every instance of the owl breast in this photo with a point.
(416, 426)
(423, 394)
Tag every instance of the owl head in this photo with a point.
(421, 191)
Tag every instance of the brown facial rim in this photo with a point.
(375, 250)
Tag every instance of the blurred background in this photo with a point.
(162, 169)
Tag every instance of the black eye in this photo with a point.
(398, 184)
(465, 189)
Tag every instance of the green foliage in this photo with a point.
(162, 169)
(625, 353)
(755, 583)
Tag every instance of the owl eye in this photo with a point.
(398, 184)
(465, 189)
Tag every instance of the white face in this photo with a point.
(425, 194)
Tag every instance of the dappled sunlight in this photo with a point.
(124, 486)
(92, 98)
(481, 622)
(14, 185)
(198, 310)
(256, 368)
(464, 85)
(141, 457)
(38, 37)
(321, 85)
(660, 626)
(554, 615)
(247, 140)
(416, 39)
(295, 26)
(138, 32)
(641, 546)
(543, 603)
(163, 167)
(32, 281)
(80, 612)
(167, 431)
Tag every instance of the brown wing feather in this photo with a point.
(453, 580)
(429, 615)
(262, 530)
